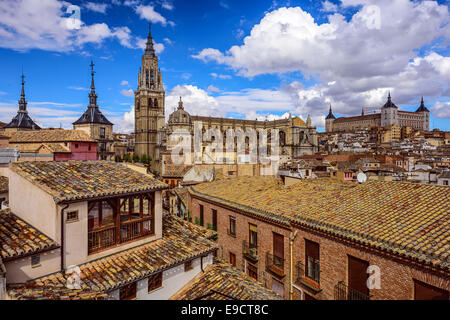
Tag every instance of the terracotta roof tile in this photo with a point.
(47, 135)
(18, 238)
(408, 219)
(222, 281)
(181, 241)
(4, 186)
(76, 180)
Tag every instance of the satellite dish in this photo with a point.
(361, 177)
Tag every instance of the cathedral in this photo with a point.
(390, 115)
(296, 137)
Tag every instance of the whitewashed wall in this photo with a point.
(172, 281)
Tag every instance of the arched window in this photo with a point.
(138, 105)
(156, 103)
(150, 102)
(282, 138)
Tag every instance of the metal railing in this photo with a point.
(313, 272)
(344, 292)
(249, 251)
(275, 264)
(130, 230)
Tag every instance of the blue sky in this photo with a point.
(247, 59)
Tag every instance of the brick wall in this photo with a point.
(397, 278)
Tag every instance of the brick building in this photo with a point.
(323, 236)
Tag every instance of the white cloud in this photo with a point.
(196, 101)
(96, 7)
(220, 76)
(223, 4)
(148, 13)
(124, 83)
(125, 123)
(328, 6)
(127, 93)
(78, 88)
(213, 88)
(441, 109)
(167, 5)
(354, 62)
(45, 25)
(159, 47)
(186, 76)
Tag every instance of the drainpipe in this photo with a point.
(201, 264)
(291, 258)
(62, 235)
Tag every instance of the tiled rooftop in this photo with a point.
(406, 219)
(18, 238)
(77, 180)
(47, 135)
(222, 281)
(3, 184)
(181, 241)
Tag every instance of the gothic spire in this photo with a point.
(422, 107)
(362, 111)
(149, 50)
(22, 101)
(92, 94)
(330, 114)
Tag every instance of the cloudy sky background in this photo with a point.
(243, 59)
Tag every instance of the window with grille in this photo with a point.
(188, 266)
(155, 282)
(72, 216)
(35, 260)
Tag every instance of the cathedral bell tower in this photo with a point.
(149, 105)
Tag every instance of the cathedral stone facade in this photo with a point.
(389, 116)
(152, 133)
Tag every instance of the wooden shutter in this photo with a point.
(278, 245)
(423, 291)
(312, 249)
(357, 274)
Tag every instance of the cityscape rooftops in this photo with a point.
(181, 241)
(222, 281)
(49, 135)
(79, 180)
(406, 219)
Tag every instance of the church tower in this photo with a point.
(149, 106)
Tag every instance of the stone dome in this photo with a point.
(180, 116)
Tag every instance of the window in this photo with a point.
(312, 266)
(214, 219)
(357, 277)
(89, 147)
(278, 249)
(128, 292)
(155, 282)
(35, 261)
(252, 271)
(232, 259)
(253, 235)
(102, 132)
(188, 266)
(423, 291)
(445, 182)
(201, 215)
(232, 230)
(76, 145)
(72, 216)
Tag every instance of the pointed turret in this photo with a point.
(308, 121)
(149, 50)
(389, 103)
(93, 113)
(362, 111)
(422, 107)
(330, 114)
(180, 104)
(22, 120)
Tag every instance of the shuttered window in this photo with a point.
(357, 274)
(278, 245)
(423, 291)
(253, 235)
(312, 263)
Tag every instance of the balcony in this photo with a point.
(310, 280)
(119, 220)
(344, 292)
(275, 265)
(249, 251)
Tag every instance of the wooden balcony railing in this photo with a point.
(104, 237)
(133, 229)
(250, 252)
(101, 238)
(344, 292)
